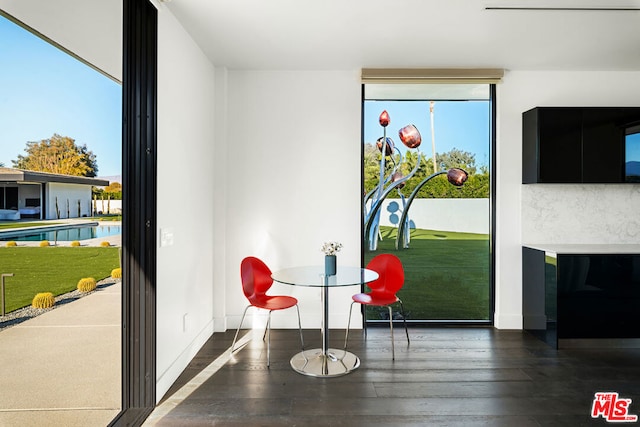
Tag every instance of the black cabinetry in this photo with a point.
(576, 144)
(573, 296)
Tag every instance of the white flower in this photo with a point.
(331, 248)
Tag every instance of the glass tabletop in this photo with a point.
(314, 276)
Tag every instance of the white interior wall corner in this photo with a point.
(221, 193)
(185, 206)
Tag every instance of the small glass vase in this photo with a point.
(330, 265)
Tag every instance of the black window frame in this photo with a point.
(492, 222)
(139, 166)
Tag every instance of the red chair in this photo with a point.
(256, 281)
(383, 291)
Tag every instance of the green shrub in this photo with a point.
(43, 300)
(87, 284)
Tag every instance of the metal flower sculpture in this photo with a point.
(455, 176)
(411, 138)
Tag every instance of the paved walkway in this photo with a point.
(63, 368)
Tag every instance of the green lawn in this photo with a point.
(446, 275)
(106, 217)
(51, 269)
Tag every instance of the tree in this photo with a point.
(112, 191)
(58, 154)
(477, 185)
(113, 187)
(456, 158)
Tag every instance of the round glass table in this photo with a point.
(325, 361)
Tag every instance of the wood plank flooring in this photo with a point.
(446, 377)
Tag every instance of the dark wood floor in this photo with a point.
(447, 377)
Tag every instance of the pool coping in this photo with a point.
(114, 240)
(12, 232)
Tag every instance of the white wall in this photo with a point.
(108, 206)
(293, 141)
(186, 162)
(71, 194)
(458, 215)
(314, 116)
(571, 213)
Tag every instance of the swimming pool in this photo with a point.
(66, 234)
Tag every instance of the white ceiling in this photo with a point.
(350, 34)
(353, 34)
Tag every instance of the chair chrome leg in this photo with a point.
(268, 331)
(364, 320)
(393, 350)
(239, 326)
(346, 335)
(266, 328)
(300, 328)
(404, 319)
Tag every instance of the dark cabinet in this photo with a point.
(576, 144)
(580, 296)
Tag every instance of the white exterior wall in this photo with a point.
(458, 215)
(71, 193)
(538, 213)
(185, 206)
(108, 206)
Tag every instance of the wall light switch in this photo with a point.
(166, 237)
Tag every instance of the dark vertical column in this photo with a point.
(492, 201)
(139, 211)
(43, 202)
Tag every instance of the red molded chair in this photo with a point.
(256, 281)
(383, 291)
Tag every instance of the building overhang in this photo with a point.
(25, 176)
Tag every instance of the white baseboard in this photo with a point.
(165, 380)
(507, 321)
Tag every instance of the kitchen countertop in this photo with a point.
(585, 248)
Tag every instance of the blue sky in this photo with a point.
(633, 147)
(457, 124)
(45, 91)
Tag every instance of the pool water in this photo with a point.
(67, 234)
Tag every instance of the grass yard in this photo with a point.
(106, 217)
(51, 269)
(446, 275)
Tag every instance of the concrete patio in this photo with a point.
(63, 368)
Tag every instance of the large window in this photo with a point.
(441, 232)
